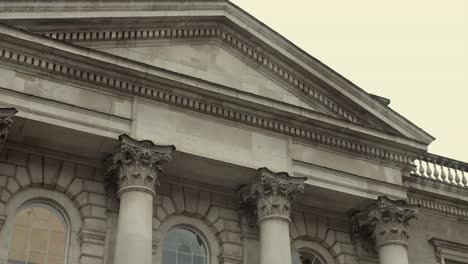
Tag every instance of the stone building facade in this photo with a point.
(189, 132)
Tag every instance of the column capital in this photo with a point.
(273, 193)
(137, 164)
(7, 116)
(389, 221)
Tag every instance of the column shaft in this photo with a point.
(134, 231)
(393, 254)
(275, 245)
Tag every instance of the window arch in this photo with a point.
(306, 257)
(183, 246)
(39, 235)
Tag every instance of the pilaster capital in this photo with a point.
(137, 164)
(273, 193)
(389, 221)
(7, 116)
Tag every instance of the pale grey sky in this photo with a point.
(412, 52)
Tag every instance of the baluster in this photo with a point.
(443, 176)
(465, 181)
(458, 178)
(421, 169)
(436, 172)
(450, 175)
(428, 169)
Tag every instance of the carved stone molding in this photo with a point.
(272, 194)
(389, 221)
(253, 118)
(7, 116)
(449, 250)
(137, 164)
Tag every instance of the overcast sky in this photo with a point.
(412, 52)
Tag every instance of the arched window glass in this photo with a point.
(39, 236)
(183, 246)
(306, 258)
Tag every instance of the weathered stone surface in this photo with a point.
(75, 187)
(22, 177)
(7, 169)
(17, 157)
(12, 185)
(35, 169)
(51, 172)
(66, 175)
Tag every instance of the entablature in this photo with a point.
(51, 59)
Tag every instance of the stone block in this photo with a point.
(22, 177)
(51, 172)
(90, 249)
(84, 172)
(229, 214)
(167, 205)
(300, 224)
(3, 180)
(330, 239)
(343, 237)
(99, 175)
(177, 196)
(35, 170)
(97, 199)
(98, 212)
(75, 187)
(191, 200)
(82, 199)
(94, 187)
(85, 211)
(322, 227)
(5, 195)
(7, 169)
(90, 260)
(203, 203)
(17, 157)
(12, 185)
(213, 214)
(94, 224)
(311, 225)
(160, 213)
(66, 175)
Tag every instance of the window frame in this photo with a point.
(446, 250)
(43, 203)
(196, 232)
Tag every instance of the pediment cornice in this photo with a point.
(54, 59)
(271, 51)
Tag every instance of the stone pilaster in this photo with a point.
(389, 221)
(271, 195)
(137, 166)
(7, 116)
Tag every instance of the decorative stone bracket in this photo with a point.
(136, 164)
(270, 194)
(7, 116)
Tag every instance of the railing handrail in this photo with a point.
(443, 169)
(441, 160)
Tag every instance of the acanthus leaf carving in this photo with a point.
(272, 194)
(389, 221)
(7, 116)
(137, 164)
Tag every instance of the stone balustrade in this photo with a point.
(441, 169)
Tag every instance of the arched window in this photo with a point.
(183, 246)
(306, 258)
(39, 236)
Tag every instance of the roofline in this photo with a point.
(233, 13)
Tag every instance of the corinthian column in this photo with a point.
(272, 194)
(7, 116)
(389, 221)
(136, 165)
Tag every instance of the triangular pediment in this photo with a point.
(210, 62)
(217, 42)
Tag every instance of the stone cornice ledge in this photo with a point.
(434, 187)
(114, 80)
(346, 182)
(449, 250)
